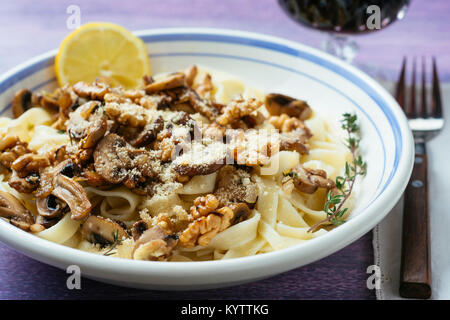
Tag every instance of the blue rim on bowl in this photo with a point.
(386, 197)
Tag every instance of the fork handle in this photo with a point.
(415, 276)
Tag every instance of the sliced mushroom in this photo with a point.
(172, 81)
(201, 159)
(190, 73)
(95, 91)
(92, 178)
(204, 169)
(241, 212)
(95, 133)
(49, 101)
(291, 141)
(45, 222)
(87, 123)
(117, 161)
(205, 86)
(138, 229)
(49, 174)
(235, 186)
(50, 207)
(24, 185)
(153, 244)
(11, 208)
(21, 102)
(309, 180)
(103, 231)
(28, 163)
(278, 104)
(208, 109)
(72, 193)
(149, 133)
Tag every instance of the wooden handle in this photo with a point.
(415, 277)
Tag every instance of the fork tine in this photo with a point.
(436, 103)
(422, 111)
(411, 109)
(400, 91)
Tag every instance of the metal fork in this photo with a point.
(425, 121)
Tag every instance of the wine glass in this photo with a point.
(341, 18)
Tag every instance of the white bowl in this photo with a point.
(330, 86)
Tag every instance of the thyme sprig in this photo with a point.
(344, 184)
(116, 241)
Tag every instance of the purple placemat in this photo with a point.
(28, 28)
(339, 276)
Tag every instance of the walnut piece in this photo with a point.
(285, 123)
(11, 148)
(204, 205)
(203, 229)
(237, 109)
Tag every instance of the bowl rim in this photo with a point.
(313, 250)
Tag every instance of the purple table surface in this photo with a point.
(28, 28)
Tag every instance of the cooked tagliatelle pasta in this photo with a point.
(194, 165)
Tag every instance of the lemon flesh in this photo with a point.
(103, 51)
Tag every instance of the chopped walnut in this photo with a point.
(8, 141)
(164, 222)
(204, 205)
(134, 94)
(213, 131)
(203, 229)
(285, 123)
(114, 97)
(167, 148)
(294, 133)
(11, 148)
(155, 102)
(237, 109)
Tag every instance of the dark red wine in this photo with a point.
(345, 16)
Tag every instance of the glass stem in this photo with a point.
(341, 47)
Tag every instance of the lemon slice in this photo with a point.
(105, 51)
